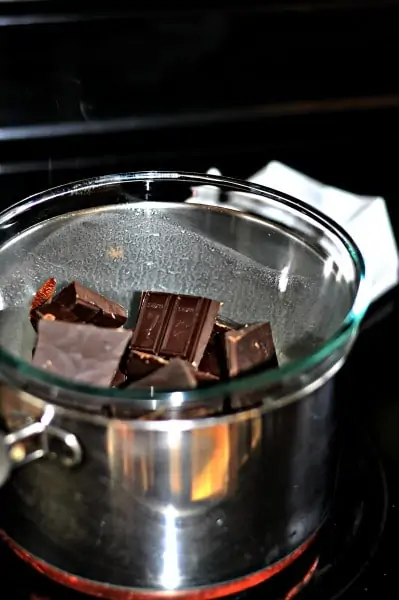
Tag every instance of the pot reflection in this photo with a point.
(180, 468)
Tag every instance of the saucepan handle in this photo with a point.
(34, 441)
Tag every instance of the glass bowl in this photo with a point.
(121, 234)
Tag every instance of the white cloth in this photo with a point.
(365, 218)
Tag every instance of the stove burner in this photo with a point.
(323, 569)
(101, 590)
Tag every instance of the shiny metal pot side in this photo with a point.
(169, 505)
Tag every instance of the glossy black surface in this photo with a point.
(98, 89)
(106, 65)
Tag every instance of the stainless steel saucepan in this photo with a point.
(186, 503)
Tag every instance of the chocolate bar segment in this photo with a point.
(90, 307)
(177, 375)
(174, 325)
(152, 322)
(190, 325)
(83, 353)
(250, 347)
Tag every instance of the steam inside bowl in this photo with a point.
(259, 271)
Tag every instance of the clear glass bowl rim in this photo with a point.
(249, 382)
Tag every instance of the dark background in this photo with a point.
(313, 84)
(89, 88)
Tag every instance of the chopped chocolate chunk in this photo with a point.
(203, 377)
(113, 316)
(57, 311)
(90, 307)
(84, 353)
(189, 328)
(119, 380)
(178, 343)
(250, 347)
(214, 359)
(220, 327)
(177, 375)
(43, 295)
(140, 364)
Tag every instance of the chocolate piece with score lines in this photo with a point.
(175, 326)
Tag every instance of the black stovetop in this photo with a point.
(352, 557)
(62, 119)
